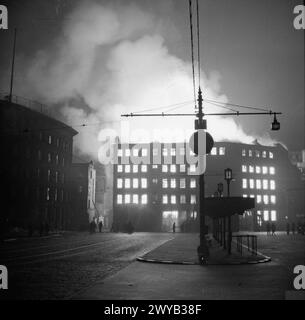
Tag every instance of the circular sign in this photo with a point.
(201, 142)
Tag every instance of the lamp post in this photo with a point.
(228, 178)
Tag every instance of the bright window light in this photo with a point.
(264, 154)
(144, 152)
(257, 154)
(173, 183)
(164, 183)
(165, 199)
(144, 199)
(265, 170)
(193, 199)
(266, 199)
(135, 199)
(127, 198)
(192, 168)
(251, 183)
(258, 169)
(272, 185)
(135, 168)
(173, 199)
(243, 152)
(273, 199)
(120, 183)
(135, 183)
(245, 196)
(244, 168)
(271, 155)
(144, 168)
(245, 185)
(222, 151)
(271, 170)
(182, 167)
(214, 151)
(250, 153)
(173, 168)
(119, 199)
(120, 153)
(258, 184)
(258, 198)
(127, 168)
(164, 168)
(193, 183)
(251, 169)
(120, 168)
(273, 215)
(135, 152)
(266, 215)
(173, 151)
(165, 152)
(182, 183)
(127, 152)
(127, 183)
(182, 199)
(144, 183)
(265, 184)
(155, 166)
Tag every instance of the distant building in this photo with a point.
(36, 156)
(154, 196)
(82, 184)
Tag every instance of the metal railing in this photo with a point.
(247, 241)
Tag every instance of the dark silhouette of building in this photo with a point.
(36, 157)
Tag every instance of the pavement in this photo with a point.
(180, 277)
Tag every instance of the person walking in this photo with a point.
(268, 228)
(100, 226)
(174, 227)
(288, 228)
(273, 228)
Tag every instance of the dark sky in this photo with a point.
(251, 44)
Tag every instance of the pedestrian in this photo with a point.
(273, 228)
(288, 228)
(174, 227)
(100, 226)
(268, 228)
(293, 227)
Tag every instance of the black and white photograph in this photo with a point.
(153, 153)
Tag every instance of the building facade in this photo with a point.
(163, 188)
(38, 154)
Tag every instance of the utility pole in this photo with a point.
(13, 65)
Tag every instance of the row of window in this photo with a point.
(172, 168)
(268, 215)
(50, 158)
(258, 169)
(142, 199)
(220, 151)
(257, 153)
(258, 184)
(55, 141)
(134, 198)
(135, 183)
(265, 199)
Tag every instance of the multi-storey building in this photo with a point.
(36, 155)
(154, 194)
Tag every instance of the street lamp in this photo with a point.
(275, 124)
(228, 178)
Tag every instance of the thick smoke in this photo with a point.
(113, 59)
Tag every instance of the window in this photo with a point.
(258, 184)
(266, 215)
(154, 180)
(135, 199)
(144, 152)
(245, 185)
(222, 151)
(48, 194)
(182, 167)
(173, 199)
(120, 183)
(127, 152)
(164, 152)
(127, 168)
(49, 139)
(173, 183)
(264, 154)
(251, 183)
(173, 168)
(272, 185)
(155, 151)
(182, 199)
(119, 199)
(127, 198)
(135, 168)
(244, 168)
(251, 169)
(135, 183)
(164, 183)
(164, 168)
(273, 215)
(243, 152)
(257, 154)
(165, 199)
(120, 152)
(49, 175)
(193, 183)
(258, 169)
(55, 195)
(144, 168)
(258, 198)
(265, 184)
(49, 157)
(182, 183)
(252, 196)
(127, 183)
(182, 151)
(120, 168)
(214, 151)
(57, 159)
(271, 155)
(266, 199)
(173, 151)
(144, 199)
(192, 168)
(155, 166)
(271, 170)
(135, 152)
(250, 153)
(273, 199)
(245, 196)
(265, 170)
(56, 176)
(193, 198)
(144, 183)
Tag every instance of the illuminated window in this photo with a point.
(144, 199)
(222, 151)
(57, 159)
(119, 199)
(193, 183)
(252, 196)
(135, 199)
(164, 152)
(120, 168)
(173, 151)
(144, 152)
(258, 198)
(273, 199)
(271, 155)
(164, 168)
(264, 154)
(193, 198)
(155, 166)
(120, 183)
(266, 199)
(127, 168)
(182, 151)
(214, 151)
(155, 180)
(135, 152)
(144, 183)
(127, 198)
(245, 196)
(272, 185)
(127, 183)
(164, 183)
(144, 168)
(155, 151)
(243, 152)
(173, 183)
(258, 184)
(266, 215)
(251, 183)
(127, 152)
(49, 157)
(258, 170)
(165, 199)
(245, 185)
(120, 153)
(265, 184)
(250, 153)
(182, 199)
(49, 175)
(135, 183)
(265, 170)
(244, 168)
(135, 168)
(259, 213)
(273, 215)
(192, 168)
(194, 214)
(48, 194)
(271, 170)
(257, 153)
(182, 167)
(173, 168)
(173, 199)
(251, 169)
(182, 183)
(50, 139)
